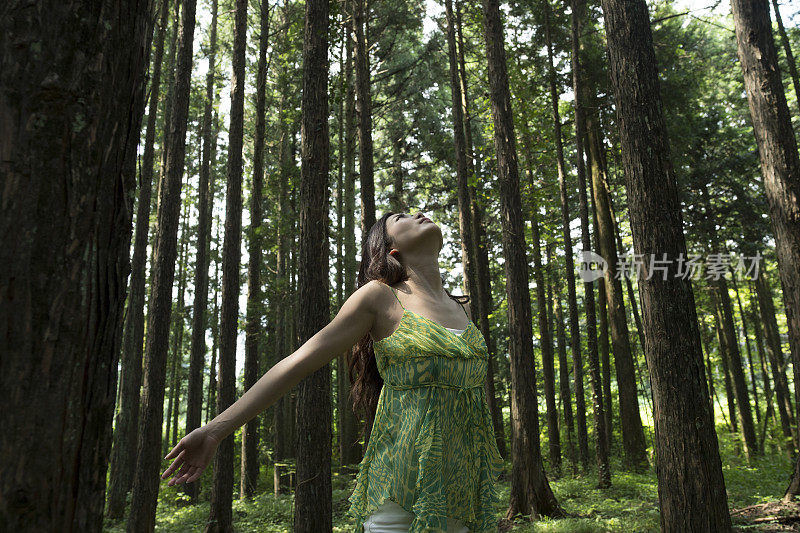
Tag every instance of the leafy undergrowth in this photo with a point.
(629, 505)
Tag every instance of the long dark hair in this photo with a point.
(376, 263)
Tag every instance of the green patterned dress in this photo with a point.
(432, 447)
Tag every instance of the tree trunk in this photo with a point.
(787, 48)
(563, 365)
(282, 444)
(768, 390)
(685, 440)
(177, 337)
(548, 365)
(482, 292)
(730, 395)
(750, 365)
(734, 358)
(253, 336)
(530, 490)
(364, 109)
(197, 357)
(464, 208)
(776, 360)
(146, 482)
(313, 491)
(68, 176)
(577, 360)
(578, 8)
(633, 439)
(221, 515)
(780, 163)
(351, 451)
(125, 436)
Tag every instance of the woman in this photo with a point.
(431, 460)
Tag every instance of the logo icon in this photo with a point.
(589, 260)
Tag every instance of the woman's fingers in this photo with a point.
(183, 477)
(179, 474)
(195, 474)
(175, 464)
(171, 454)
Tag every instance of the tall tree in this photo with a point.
(253, 328)
(730, 345)
(351, 452)
(787, 49)
(73, 95)
(572, 299)
(780, 163)
(777, 361)
(197, 357)
(221, 515)
(145, 485)
(530, 490)
(123, 451)
(633, 440)
(601, 446)
(685, 440)
(364, 108)
(313, 490)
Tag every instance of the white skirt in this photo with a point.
(391, 518)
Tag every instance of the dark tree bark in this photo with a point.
(194, 401)
(548, 365)
(145, 486)
(769, 412)
(351, 451)
(530, 490)
(73, 79)
(282, 414)
(364, 109)
(787, 49)
(481, 293)
(597, 168)
(221, 514)
(177, 338)
(548, 269)
(777, 361)
(123, 451)
(563, 365)
(572, 300)
(313, 491)
(464, 208)
(730, 395)
(211, 404)
(602, 340)
(731, 348)
(633, 439)
(601, 446)
(750, 366)
(780, 163)
(253, 336)
(685, 440)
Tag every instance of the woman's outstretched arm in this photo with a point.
(354, 320)
(351, 323)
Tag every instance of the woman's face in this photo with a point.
(413, 232)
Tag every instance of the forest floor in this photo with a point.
(629, 505)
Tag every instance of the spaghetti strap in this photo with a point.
(464, 309)
(395, 295)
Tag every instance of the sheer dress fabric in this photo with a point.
(432, 449)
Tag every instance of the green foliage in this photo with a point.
(630, 504)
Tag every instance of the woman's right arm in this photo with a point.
(351, 323)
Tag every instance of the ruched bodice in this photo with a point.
(432, 447)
